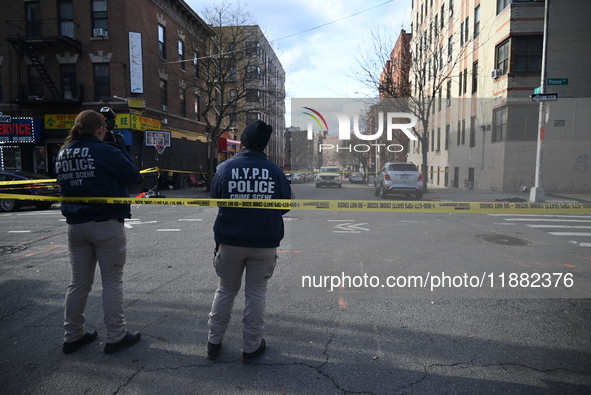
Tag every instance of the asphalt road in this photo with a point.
(321, 340)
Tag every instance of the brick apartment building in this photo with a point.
(139, 57)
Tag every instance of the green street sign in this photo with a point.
(538, 90)
(556, 81)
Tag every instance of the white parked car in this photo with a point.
(329, 176)
(399, 178)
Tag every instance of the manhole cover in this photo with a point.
(10, 249)
(504, 240)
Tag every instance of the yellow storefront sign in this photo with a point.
(123, 121)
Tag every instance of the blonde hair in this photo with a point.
(86, 124)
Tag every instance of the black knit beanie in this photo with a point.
(256, 135)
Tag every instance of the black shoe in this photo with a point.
(248, 357)
(129, 340)
(70, 347)
(213, 350)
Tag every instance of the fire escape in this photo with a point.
(41, 35)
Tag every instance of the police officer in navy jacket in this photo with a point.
(246, 239)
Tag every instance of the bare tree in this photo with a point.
(415, 77)
(230, 71)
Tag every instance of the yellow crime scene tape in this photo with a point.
(318, 205)
(335, 205)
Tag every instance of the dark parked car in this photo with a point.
(46, 189)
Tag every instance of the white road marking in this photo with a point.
(19, 231)
(168, 230)
(570, 234)
(190, 219)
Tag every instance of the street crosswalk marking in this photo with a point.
(555, 225)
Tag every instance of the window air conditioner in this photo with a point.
(164, 107)
(496, 73)
(99, 32)
(164, 121)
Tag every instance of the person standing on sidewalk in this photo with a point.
(246, 240)
(94, 163)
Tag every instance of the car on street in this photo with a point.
(401, 178)
(32, 188)
(328, 176)
(356, 177)
(297, 178)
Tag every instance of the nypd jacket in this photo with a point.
(249, 175)
(89, 167)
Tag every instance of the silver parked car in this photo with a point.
(399, 178)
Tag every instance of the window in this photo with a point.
(164, 92)
(477, 21)
(527, 54)
(253, 95)
(66, 18)
(499, 124)
(465, 81)
(461, 34)
(442, 15)
(473, 132)
(162, 41)
(446, 142)
(195, 65)
(253, 48)
(182, 102)
(450, 47)
(69, 88)
(448, 94)
(463, 131)
(459, 134)
(233, 95)
(99, 14)
(475, 77)
(501, 5)
(523, 123)
(232, 73)
(33, 10)
(502, 56)
(253, 72)
(520, 55)
(102, 82)
(467, 30)
(196, 108)
(252, 116)
(35, 82)
(181, 52)
(460, 84)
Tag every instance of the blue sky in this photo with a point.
(320, 62)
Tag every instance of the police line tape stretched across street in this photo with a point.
(335, 205)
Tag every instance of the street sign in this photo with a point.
(556, 81)
(540, 97)
(538, 90)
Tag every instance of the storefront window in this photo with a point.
(10, 157)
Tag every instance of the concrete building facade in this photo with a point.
(484, 125)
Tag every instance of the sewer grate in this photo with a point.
(4, 250)
(504, 240)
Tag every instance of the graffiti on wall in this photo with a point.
(582, 164)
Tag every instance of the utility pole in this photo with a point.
(537, 193)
